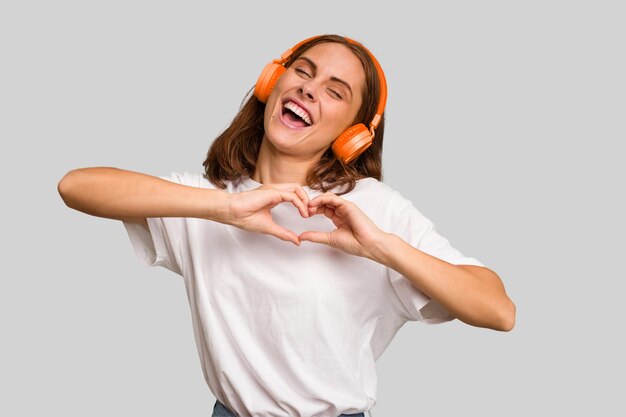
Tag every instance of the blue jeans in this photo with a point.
(220, 410)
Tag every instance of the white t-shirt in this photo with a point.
(283, 330)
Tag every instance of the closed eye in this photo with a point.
(336, 94)
(303, 72)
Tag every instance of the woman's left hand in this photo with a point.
(356, 234)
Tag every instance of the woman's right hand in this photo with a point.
(250, 210)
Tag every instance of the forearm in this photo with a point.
(119, 194)
(477, 297)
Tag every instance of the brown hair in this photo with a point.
(234, 152)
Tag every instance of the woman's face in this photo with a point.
(315, 100)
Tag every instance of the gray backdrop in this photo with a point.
(504, 124)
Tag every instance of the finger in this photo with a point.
(295, 199)
(304, 198)
(295, 187)
(298, 189)
(329, 199)
(317, 237)
(303, 195)
(325, 210)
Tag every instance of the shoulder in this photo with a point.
(373, 190)
(372, 196)
(369, 188)
(394, 209)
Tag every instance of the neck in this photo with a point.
(277, 168)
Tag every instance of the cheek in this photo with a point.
(270, 106)
(272, 100)
(345, 117)
(356, 107)
(267, 113)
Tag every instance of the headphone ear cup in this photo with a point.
(351, 143)
(264, 85)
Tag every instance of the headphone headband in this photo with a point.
(284, 57)
(353, 141)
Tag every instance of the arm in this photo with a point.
(131, 196)
(473, 294)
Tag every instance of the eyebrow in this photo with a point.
(332, 78)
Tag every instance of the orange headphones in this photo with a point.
(356, 139)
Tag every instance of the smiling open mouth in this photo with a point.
(296, 114)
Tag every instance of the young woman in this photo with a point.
(300, 265)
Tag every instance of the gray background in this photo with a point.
(505, 124)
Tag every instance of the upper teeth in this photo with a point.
(299, 111)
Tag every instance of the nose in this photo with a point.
(307, 90)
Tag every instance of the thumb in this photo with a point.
(318, 237)
(284, 234)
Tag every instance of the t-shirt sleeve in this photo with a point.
(163, 242)
(414, 228)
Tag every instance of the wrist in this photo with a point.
(380, 250)
(218, 207)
